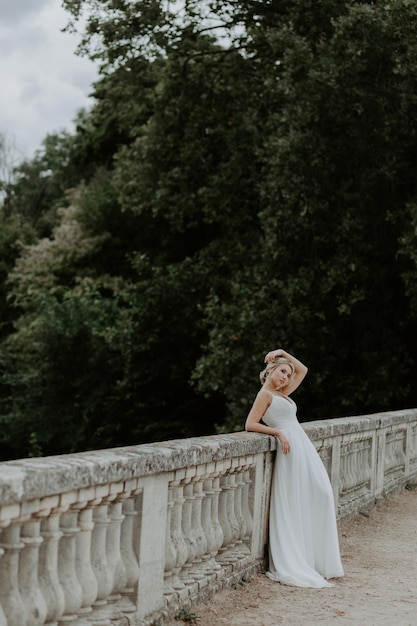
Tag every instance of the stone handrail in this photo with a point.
(130, 535)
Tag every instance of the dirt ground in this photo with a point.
(379, 555)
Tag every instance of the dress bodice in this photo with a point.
(281, 413)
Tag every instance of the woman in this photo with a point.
(303, 540)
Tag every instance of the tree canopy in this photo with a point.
(245, 180)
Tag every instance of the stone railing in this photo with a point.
(130, 535)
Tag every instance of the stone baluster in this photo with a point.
(3, 621)
(209, 525)
(348, 467)
(67, 573)
(366, 454)
(170, 553)
(196, 523)
(390, 454)
(361, 473)
(48, 566)
(100, 564)
(113, 546)
(10, 597)
(239, 505)
(28, 573)
(368, 460)
(246, 505)
(344, 467)
(413, 442)
(177, 536)
(401, 439)
(397, 451)
(357, 478)
(128, 551)
(83, 565)
(342, 470)
(354, 464)
(397, 448)
(215, 515)
(206, 518)
(227, 511)
(362, 462)
(224, 512)
(231, 488)
(328, 457)
(137, 524)
(188, 531)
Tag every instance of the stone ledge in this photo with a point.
(33, 478)
(361, 423)
(40, 477)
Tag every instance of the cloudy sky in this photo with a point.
(43, 82)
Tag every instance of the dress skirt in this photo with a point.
(303, 538)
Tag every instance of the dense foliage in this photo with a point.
(245, 180)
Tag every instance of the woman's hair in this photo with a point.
(271, 366)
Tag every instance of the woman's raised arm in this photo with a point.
(300, 369)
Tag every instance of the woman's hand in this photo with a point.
(285, 444)
(273, 354)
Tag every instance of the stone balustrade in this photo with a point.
(128, 536)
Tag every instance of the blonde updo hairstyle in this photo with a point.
(271, 366)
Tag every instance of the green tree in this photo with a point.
(339, 174)
(39, 185)
(246, 179)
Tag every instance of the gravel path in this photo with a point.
(379, 554)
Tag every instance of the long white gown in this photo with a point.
(303, 539)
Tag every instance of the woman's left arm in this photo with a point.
(300, 369)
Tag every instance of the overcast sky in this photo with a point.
(43, 82)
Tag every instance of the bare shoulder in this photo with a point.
(264, 396)
(259, 407)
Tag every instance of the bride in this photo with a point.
(303, 539)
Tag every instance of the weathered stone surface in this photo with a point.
(33, 478)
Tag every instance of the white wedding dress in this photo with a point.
(303, 539)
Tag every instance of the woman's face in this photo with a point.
(280, 376)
